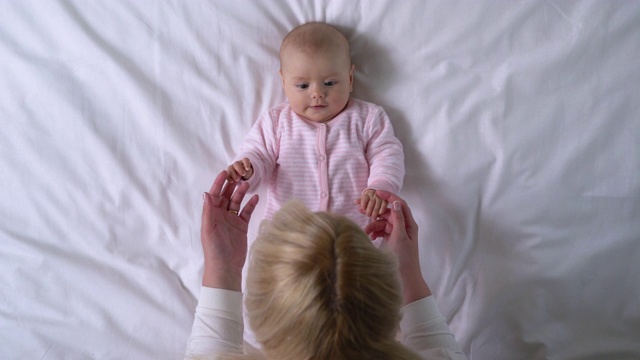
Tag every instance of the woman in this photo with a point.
(316, 286)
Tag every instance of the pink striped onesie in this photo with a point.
(324, 165)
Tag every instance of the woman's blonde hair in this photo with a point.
(318, 288)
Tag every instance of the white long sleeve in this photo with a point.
(425, 331)
(217, 324)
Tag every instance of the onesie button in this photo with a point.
(323, 194)
(323, 158)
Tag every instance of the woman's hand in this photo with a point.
(400, 232)
(224, 233)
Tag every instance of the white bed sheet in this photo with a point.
(521, 127)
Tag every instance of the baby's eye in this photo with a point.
(329, 83)
(302, 86)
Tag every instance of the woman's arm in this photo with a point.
(224, 233)
(423, 327)
(218, 326)
(400, 231)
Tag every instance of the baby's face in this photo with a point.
(317, 85)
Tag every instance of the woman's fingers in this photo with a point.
(206, 210)
(248, 208)
(216, 189)
(398, 218)
(378, 228)
(236, 197)
(229, 196)
(406, 211)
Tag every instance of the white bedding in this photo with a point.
(520, 122)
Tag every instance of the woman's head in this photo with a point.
(318, 288)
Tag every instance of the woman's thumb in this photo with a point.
(398, 216)
(205, 198)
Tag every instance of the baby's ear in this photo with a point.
(281, 77)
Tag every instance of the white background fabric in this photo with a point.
(520, 122)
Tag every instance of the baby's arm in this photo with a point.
(371, 204)
(257, 155)
(239, 169)
(386, 164)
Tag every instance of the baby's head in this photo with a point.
(316, 71)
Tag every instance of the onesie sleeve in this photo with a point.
(384, 153)
(217, 325)
(425, 331)
(260, 146)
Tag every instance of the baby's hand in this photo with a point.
(372, 205)
(239, 169)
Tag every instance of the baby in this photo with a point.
(322, 147)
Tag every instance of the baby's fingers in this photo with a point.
(383, 208)
(371, 208)
(377, 208)
(232, 174)
(358, 203)
(364, 202)
(246, 164)
(240, 171)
